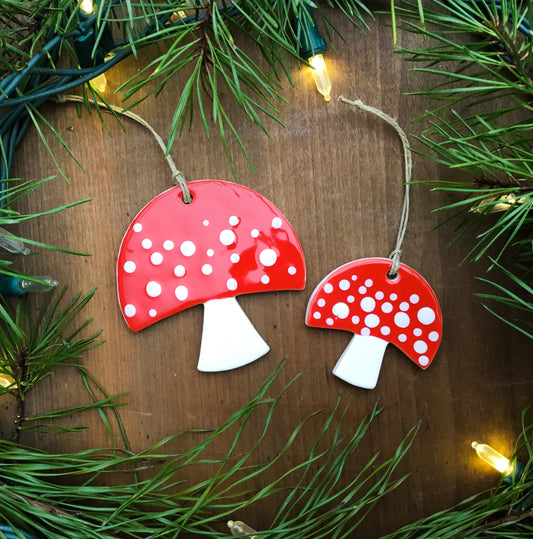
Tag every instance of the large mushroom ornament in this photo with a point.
(360, 297)
(228, 241)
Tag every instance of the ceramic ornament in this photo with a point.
(228, 241)
(361, 298)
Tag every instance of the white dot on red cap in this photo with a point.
(355, 319)
(187, 248)
(328, 288)
(423, 360)
(292, 270)
(362, 290)
(153, 289)
(365, 332)
(146, 243)
(152, 313)
(344, 284)
(168, 245)
(380, 295)
(372, 320)
(385, 330)
(401, 320)
(414, 298)
(386, 307)
(129, 266)
(317, 315)
(354, 277)
(181, 292)
(433, 336)
(341, 310)
(368, 304)
(227, 237)
(404, 306)
(234, 220)
(265, 279)
(156, 258)
(179, 271)
(210, 252)
(369, 283)
(234, 258)
(205, 222)
(417, 332)
(129, 310)
(268, 257)
(329, 321)
(277, 222)
(321, 302)
(254, 233)
(420, 347)
(231, 284)
(350, 299)
(426, 315)
(207, 269)
(402, 337)
(393, 297)
(137, 227)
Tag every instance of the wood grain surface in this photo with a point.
(336, 173)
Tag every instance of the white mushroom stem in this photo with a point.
(360, 363)
(229, 340)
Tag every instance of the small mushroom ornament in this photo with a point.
(361, 297)
(228, 241)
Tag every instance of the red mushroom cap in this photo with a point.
(359, 297)
(228, 241)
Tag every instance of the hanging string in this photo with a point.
(408, 166)
(177, 175)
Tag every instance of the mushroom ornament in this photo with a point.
(228, 241)
(361, 297)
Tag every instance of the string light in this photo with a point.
(320, 74)
(239, 528)
(86, 6)
(7, 381)
(17, 286)
(494, 458)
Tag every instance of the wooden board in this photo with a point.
(336, 173)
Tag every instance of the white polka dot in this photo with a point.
(146, 243)
(423, 360)
(156, 258)
(317, 315)
(414, 298)
(433, 336)
(368, 304)
(365, 332)
(181, 292)
(187, 248)
(404, 306)
(205, 222)
(227, 237)
(168, 245)
(401, 320)
(321, 302)
(402, 337)
(328, 288)
(129, 266)
(350, 299)
(420, 347)
(291, 270)
(268, 257)
(380, 295)
(385, 330)
(179, 271)
(265, 279)
(417, 332)
(234, 220)
(355, 319)
(369, 283)
(137, 227)
(234, 258)
(354, 277)
(393, 297)
(344, 284)
(130, 310)
(372, 320)
(254, 233)
(210, 252)
(277, 222)
(386, 307)
(207, 269)
(231, 284)
(426, 315)
(329, 321)
(341, 310)
(153, 289)
(152, 312)
(362, 290)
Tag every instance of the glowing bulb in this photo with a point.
(7, 381)
(99, 83)
(87, 6)
(492, 457)
(320, 74)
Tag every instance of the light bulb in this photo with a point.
(239, 528)
(99, 83)
(87, 6)
(320, 74)
(7, 381)
(492, 457)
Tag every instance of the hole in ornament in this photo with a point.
(182, 199)
(393, 276)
